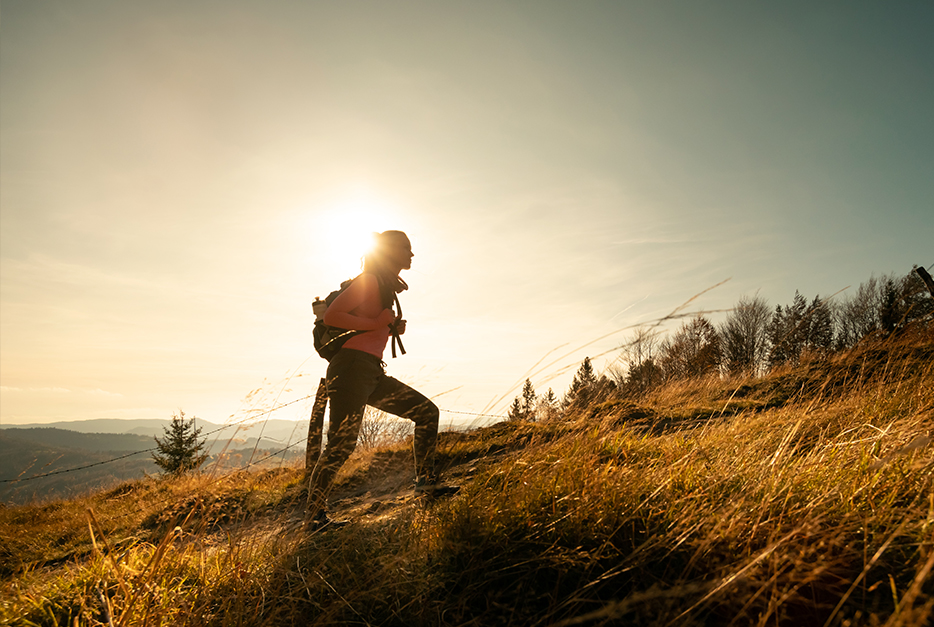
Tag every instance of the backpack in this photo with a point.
(329, 340)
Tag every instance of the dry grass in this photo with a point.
(802, 498)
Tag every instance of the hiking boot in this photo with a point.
(432, 488)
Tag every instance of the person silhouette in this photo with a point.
(356, 375)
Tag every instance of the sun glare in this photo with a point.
(348, 225)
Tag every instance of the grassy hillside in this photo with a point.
(802, 498)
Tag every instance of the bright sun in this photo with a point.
(347, 227)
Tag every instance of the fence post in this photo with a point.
(316, 427)
(926, 277)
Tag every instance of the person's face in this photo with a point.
(400, 253)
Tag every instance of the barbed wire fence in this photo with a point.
(237, 424)
(172, 502)
(488, 412)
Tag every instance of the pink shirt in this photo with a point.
(359, 307)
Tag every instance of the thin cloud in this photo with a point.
(100, 392)
(6, 389)
(653, 240)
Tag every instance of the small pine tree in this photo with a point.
(181, 449)
(889, 311)
(642, 378)
(524, 406)
(582, 390)
(528, 403)
(515, 410)
(820, 327)
(788, 332)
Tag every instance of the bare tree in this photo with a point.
(641, 348)
(381, 429)
(548, 405)
(883, 304)
(858, 316)
(744, 337)
(641, 373)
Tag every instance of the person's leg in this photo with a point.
(352, 377)
(394, 397)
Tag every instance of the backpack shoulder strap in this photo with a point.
(390, 298)
(396, 338)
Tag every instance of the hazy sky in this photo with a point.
(181, 179)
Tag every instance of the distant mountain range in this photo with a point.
(89, 455)
(277, 431)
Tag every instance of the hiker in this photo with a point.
(356, 374)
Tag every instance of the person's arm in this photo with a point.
(339, 313)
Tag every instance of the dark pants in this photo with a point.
(356, 379)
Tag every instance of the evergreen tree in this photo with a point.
(787, 332)
(642, 378)
(583, 388)
(820, 327)
(586, 377)
(902, 301)
(524, 406)
(890, 312)
(692, 352)
(515, 410)
(181, 449)
(527, 404)
(800, 328)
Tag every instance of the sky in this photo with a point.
(181, 179)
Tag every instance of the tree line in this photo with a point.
(753, 339)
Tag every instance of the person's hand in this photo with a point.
(400, 326)
(385, 318)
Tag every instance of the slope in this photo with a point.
(801, 498)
